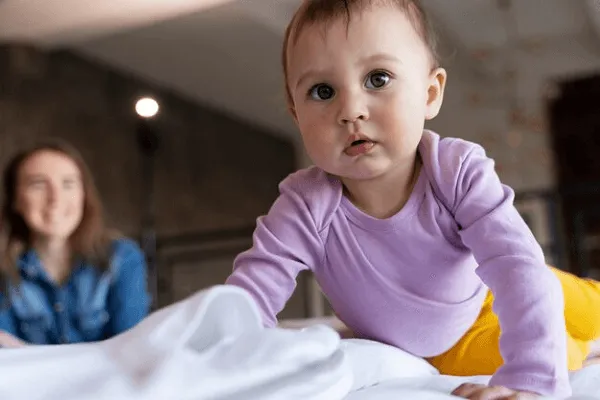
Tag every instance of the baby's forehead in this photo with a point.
(389, 16)
(356, 28)
(324, 20)
(370, 27)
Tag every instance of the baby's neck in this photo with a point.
(386, 195)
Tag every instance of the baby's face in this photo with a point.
(361, 92)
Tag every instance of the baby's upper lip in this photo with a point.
(357, 136)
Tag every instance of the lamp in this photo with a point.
(147, 109)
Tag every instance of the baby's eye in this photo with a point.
(377, 80)
(321, 92)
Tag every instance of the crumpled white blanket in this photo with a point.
(212, 346)
(209, 346)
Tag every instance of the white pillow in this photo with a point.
(373, 362)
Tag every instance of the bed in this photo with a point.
(212, 346)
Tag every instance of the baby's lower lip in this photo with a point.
(358, 149)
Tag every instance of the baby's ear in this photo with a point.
(435, 92)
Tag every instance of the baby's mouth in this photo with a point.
(358, 147)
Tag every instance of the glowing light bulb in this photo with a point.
(146, 107)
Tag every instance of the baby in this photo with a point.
(411, 236)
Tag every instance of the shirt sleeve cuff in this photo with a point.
(542, 385)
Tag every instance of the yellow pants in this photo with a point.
(478, 351)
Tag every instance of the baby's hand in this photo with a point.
(474, 391)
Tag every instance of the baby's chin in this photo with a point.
(359, 174)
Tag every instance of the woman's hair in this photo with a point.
(91, 239)
(316, 11)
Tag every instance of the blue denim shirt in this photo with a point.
(92, 305)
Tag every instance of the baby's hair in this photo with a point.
(314, 11)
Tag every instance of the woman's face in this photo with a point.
(50, 194)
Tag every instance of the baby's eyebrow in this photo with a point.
(307, 74)
(380, 57)
(364, 60)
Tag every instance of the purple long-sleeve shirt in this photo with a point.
(417, 280)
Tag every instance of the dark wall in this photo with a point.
(213, 171)
(575, 133)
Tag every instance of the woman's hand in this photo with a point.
(11, 342)
(474, 391)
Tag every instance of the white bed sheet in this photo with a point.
(585, 383)
(212, 346)
(382, 372)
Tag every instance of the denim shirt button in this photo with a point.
(58, 307)
(104, 316)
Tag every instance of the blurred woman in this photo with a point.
(64, 277)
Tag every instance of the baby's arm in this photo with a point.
(285, 242)
(528, 297)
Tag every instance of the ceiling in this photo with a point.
(226, 53)
(56, 22)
